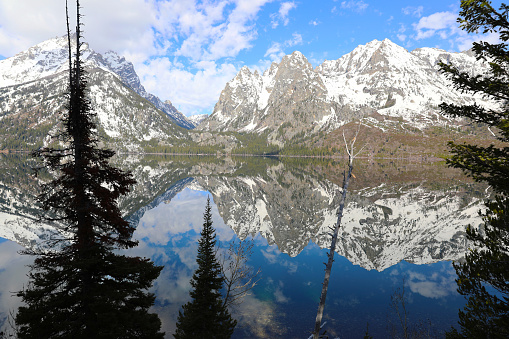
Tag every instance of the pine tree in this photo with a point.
(484, 276)
(206, 316)
(81, 287)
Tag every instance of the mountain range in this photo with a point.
(292, 100)
(380, 83)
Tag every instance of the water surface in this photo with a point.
(403, 226)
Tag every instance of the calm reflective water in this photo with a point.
(403, 226)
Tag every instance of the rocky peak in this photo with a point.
(271, 71)
(245, 78)
(50, 58)
(295, 60)
(375, 56)
(46, 58)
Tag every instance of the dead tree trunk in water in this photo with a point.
(328, 268)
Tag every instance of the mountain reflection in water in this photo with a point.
(396, 214)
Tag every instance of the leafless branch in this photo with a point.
(239, 277)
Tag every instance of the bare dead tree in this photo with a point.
(11, 330)
(399, 324)
(398, 307)
(239, 277)
(350, 150)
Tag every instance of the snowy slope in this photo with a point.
(197, 118)
(381, 74)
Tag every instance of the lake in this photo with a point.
(403, 226)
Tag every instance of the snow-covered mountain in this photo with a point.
(50, 57)
(291, 98)
(31, 87)
(197, 118)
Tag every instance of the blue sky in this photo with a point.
(186, 50)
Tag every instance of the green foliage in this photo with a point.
(302, 150)
(484, 276)
(254, 144)
(206, 316)
(18, 134)
(153, 146)
(82, 287)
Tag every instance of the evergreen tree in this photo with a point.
(81, 287)
(484, 276)
(206, 316)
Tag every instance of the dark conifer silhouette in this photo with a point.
(484, 276)
(206, 316)
(81, 287)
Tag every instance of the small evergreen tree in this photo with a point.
(206, 316)
(484, 276)
(81, 288)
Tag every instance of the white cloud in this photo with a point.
(439, 20)
(314, 22)
(21, 28)
(354, 5)
(284, 10)
(296, 40)
(443, 23)
(413, 11)
(401, 37)
(434, 286)
(464, 41)
(209, 31)
(276, 51)
(120, 25)
(282, 14)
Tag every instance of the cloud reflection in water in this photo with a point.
(169, 234)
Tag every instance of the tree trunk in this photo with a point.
(332, 250)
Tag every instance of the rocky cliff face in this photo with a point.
(291, 99)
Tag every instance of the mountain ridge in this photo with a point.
(290, 104)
